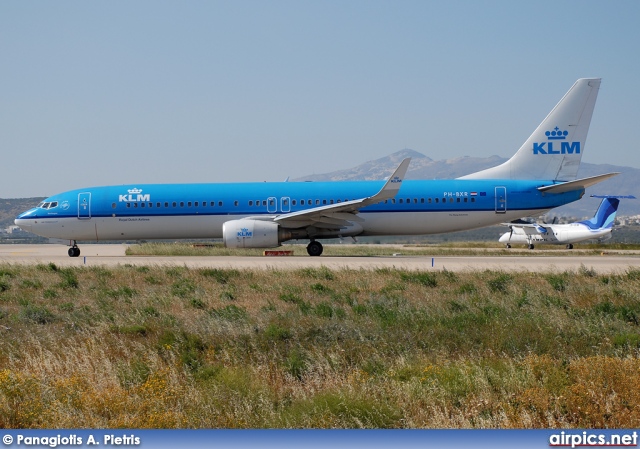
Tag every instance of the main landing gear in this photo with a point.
(74, 251)
(570, 246)
(314, 248)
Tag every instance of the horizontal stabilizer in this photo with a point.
(577, 184)
(620, 197)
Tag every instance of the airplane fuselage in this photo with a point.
(179, 211)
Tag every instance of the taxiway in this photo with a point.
(113, 255)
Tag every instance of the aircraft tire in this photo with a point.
(508, 245)
(531, 246)
(570, 246)
(74, 251)
(314, 248)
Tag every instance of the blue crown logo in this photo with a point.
(556, 134)
(134, 190)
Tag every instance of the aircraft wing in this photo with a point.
(577, 184)
(339, 215)
(528, 228)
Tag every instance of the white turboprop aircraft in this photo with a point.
(599, 228)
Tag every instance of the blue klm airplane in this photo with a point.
(540, 176)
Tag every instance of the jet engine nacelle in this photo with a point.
(253, 234)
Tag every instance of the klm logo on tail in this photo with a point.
(556, 135)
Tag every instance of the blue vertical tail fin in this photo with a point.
(605, 215)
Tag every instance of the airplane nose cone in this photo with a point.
(25, 225)
(504, 237)
(25, 220)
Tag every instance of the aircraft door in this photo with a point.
(501, 200)
(285, 204)
(272, 205)
(84, 206)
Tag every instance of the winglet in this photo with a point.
(393, 184)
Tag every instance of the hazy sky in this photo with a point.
(116, 92)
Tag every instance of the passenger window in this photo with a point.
(465, 200)
(400, 200)
(324, 201)
(128, 204)
(166, 204)
(220, 203)
(158, 205)
(293, 202)
(422, 200)
(302, 202)
(235, 203)
(250, 203)
(181, 203)
(473, 199)
(264, 202)
(142, 204)
(317, 202)
(189, 204)
(175, 204)
(135, 205)
(113, 205)
(196, 204)
(457, 200)
(437, 200)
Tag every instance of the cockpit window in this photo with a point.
(53, 204)
(41, 204)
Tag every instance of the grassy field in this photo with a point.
(167, 347)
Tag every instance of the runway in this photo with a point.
(113, 255)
